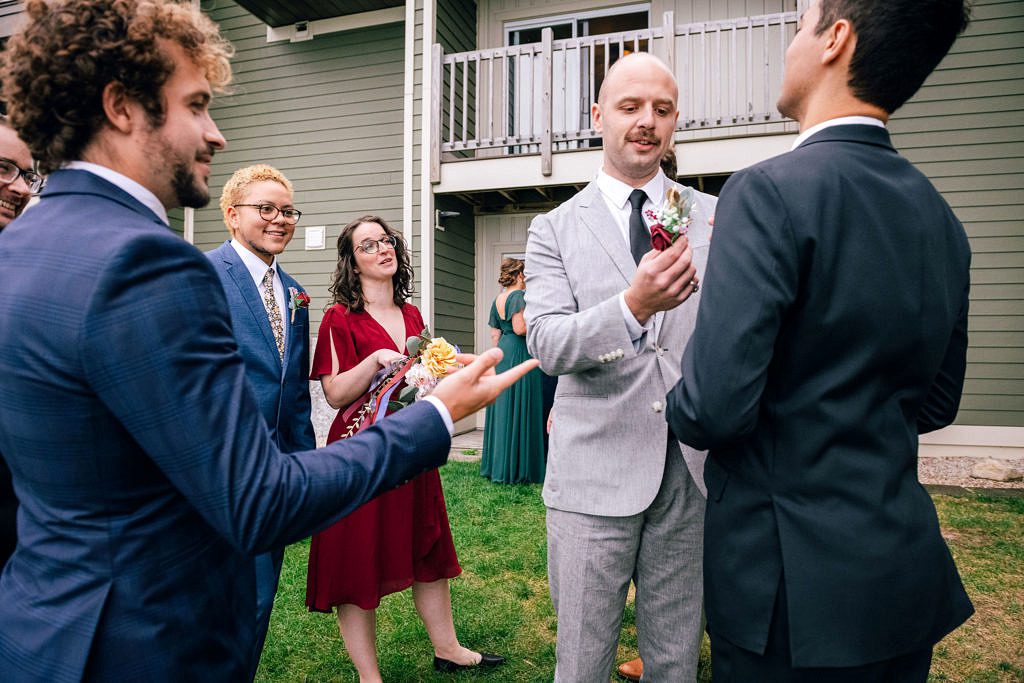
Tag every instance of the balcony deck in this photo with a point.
(532, 101)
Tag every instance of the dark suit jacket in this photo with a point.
(144, 468)
(832, 330)
(281, 390)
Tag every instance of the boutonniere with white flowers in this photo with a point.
(673, 218)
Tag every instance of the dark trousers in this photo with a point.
(268, 570)
(733, 664)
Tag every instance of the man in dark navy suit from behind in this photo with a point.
(832, 331)
(147, 477)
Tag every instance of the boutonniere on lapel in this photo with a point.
(673, 218)
(297, 300)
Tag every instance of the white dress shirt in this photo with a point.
(616, 196)
(258, 269)
(841, 121)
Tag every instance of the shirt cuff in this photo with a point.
(442, 410)
(635, 330)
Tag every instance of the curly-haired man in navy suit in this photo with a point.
(147, 476)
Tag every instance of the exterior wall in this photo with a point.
(965, 131)
(454, 246)
(326, 112)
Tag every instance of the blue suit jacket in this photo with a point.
(282, 390)
(145, 470)
(832, 330)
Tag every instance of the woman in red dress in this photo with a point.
(401, 538)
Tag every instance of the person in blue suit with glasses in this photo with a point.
(270, 318)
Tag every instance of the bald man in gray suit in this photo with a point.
(610, 316)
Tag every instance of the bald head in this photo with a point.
(636, 114)
(626, 67)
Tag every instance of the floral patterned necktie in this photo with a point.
(273, 312)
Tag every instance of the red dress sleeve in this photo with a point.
(336, 326)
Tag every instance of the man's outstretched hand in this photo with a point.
(476, 386)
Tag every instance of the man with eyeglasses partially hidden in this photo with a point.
(17, 183)
(270, 320)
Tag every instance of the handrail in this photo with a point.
(525, 99)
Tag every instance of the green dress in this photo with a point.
(514, 426)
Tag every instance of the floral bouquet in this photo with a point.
(673, 218)
(428, 361)
(433, 358)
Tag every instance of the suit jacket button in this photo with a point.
(658, 406)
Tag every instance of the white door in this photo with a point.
(497, 237)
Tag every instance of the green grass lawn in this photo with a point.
(501, 601)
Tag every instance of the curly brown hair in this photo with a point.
(511, 269)
(346, 288)
(55, 69)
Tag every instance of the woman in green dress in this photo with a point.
(514, 426)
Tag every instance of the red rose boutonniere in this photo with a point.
(297, 300)
(673, 218)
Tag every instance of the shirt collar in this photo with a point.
(253, 263)
(618, 192)
(143, 195)
(841, 121)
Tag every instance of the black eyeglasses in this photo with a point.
(10, 172)
(373, 246)
(268, 212)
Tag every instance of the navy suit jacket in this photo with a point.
(282, 390)
(832, 330)
(145, 471)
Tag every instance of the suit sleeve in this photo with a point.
(562, 337)
(159, 353)
(752, 278)
(943, 400)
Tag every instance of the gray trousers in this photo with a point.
(591, 560)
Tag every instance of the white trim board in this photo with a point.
(348, 22)
(974, 441)
(703, 157)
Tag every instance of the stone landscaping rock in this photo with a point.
(998, 470)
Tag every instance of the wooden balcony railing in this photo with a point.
(535, 98)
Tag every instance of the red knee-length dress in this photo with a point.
(397, 538)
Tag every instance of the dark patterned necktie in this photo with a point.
(273, 312)
(639, 234)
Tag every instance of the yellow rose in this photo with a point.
(438, 356)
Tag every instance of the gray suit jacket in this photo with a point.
(607, 445)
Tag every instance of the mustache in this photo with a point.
(206, 157)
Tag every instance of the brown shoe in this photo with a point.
(632, 670)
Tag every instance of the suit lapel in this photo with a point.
(596, 217)
(250, 294)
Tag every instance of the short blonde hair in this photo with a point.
(239, 182)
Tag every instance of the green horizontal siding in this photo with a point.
(965, 131)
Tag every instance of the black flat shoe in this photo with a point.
(486, 660)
